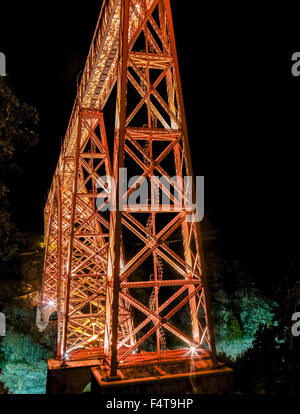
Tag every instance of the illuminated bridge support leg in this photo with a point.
(194, 227)
(84, 293)
(151, 133)
(50, 285)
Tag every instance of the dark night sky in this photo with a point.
(242, 105)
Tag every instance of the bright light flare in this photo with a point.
(192, 350)
(51, 303)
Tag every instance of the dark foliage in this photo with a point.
(272, 364)
(18, 133)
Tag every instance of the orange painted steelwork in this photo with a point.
(115, 279)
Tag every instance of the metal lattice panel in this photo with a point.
(97, 263)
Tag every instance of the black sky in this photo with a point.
(242, 106)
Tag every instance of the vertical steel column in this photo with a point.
(118, 164)
(70, 251)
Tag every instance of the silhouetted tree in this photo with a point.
(18, 132)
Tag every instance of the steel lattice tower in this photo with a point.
(129, 285)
